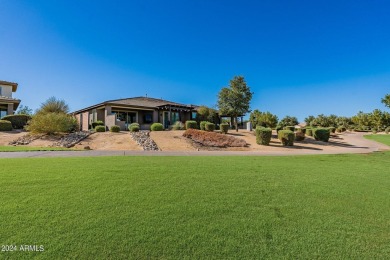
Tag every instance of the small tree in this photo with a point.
(288, 121)
(205, 113)
(265, 119)
(309, 119)
(24, 110)
(386, 100)
(234, 101)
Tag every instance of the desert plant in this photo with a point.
(53, 105)
(52, 123)
(156, 127)
(332, 129)
(263, 135)
(17, 121)
(178, 126)
(299, 135)
(134, 127)
(309, 131)
(291, 128)
(224, 128)
(5, 125)
(210, 127)
(96, 123)
(100, 128)
(286, 137)
(341, 129)
(190, 124)
(203, 124)
(115, 129)
(321, 134)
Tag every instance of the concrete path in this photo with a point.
(360, 145)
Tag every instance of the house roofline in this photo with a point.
(12, 84)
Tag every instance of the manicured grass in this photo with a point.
(385, 139)
(303, 207)
(31, 148)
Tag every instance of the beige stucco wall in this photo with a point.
(85, 121)
(10, 110)
(6, 91)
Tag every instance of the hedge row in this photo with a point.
(17, 121)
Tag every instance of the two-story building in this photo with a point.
(8, 104)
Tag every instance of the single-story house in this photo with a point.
(142, 110)
(8, 104)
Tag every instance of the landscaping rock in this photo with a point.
(25, 140)
(72, 139)
(143, 139)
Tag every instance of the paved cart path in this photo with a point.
(351, 143)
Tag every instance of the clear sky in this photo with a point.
(299, 57)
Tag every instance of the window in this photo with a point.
(193, 115)
(148, 118)
(3, 112)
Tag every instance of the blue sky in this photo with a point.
(298, 57)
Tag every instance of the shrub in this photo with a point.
(134, 127)
(5, 125)
(115, 129)
(299, 136)
(203, 125)
(263, 135)
(213, 139)
(17, 121)
(321, 134)
(309, 131)
(291, 128)
(190, 124)
(51, 123)
(341, 129)
(387, 130)
(100, 128)
(278, 128)
(156, 127)
(210, 127)
(96, 123)
(303, 130)
(332, 129)
(224, 128)
(178, 126)
(286, 137)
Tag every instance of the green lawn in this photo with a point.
(379, 138)
(302, 207)
(30, 148)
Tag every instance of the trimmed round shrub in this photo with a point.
(287, 137)
(115, 129)
(203, 125)
(134, 127)
(299, 136)
(278, 128)
(5, 125)
(291, 128)
(100, 128)
(156, 127)
(190, 124)
(374, 131)
(321, 134)
(17, 121)
(309, 131)
(210, 127)
(224, 127)
(96, 123)
(263, 135)
(332, 129)
(387, 130)
(303, 130)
